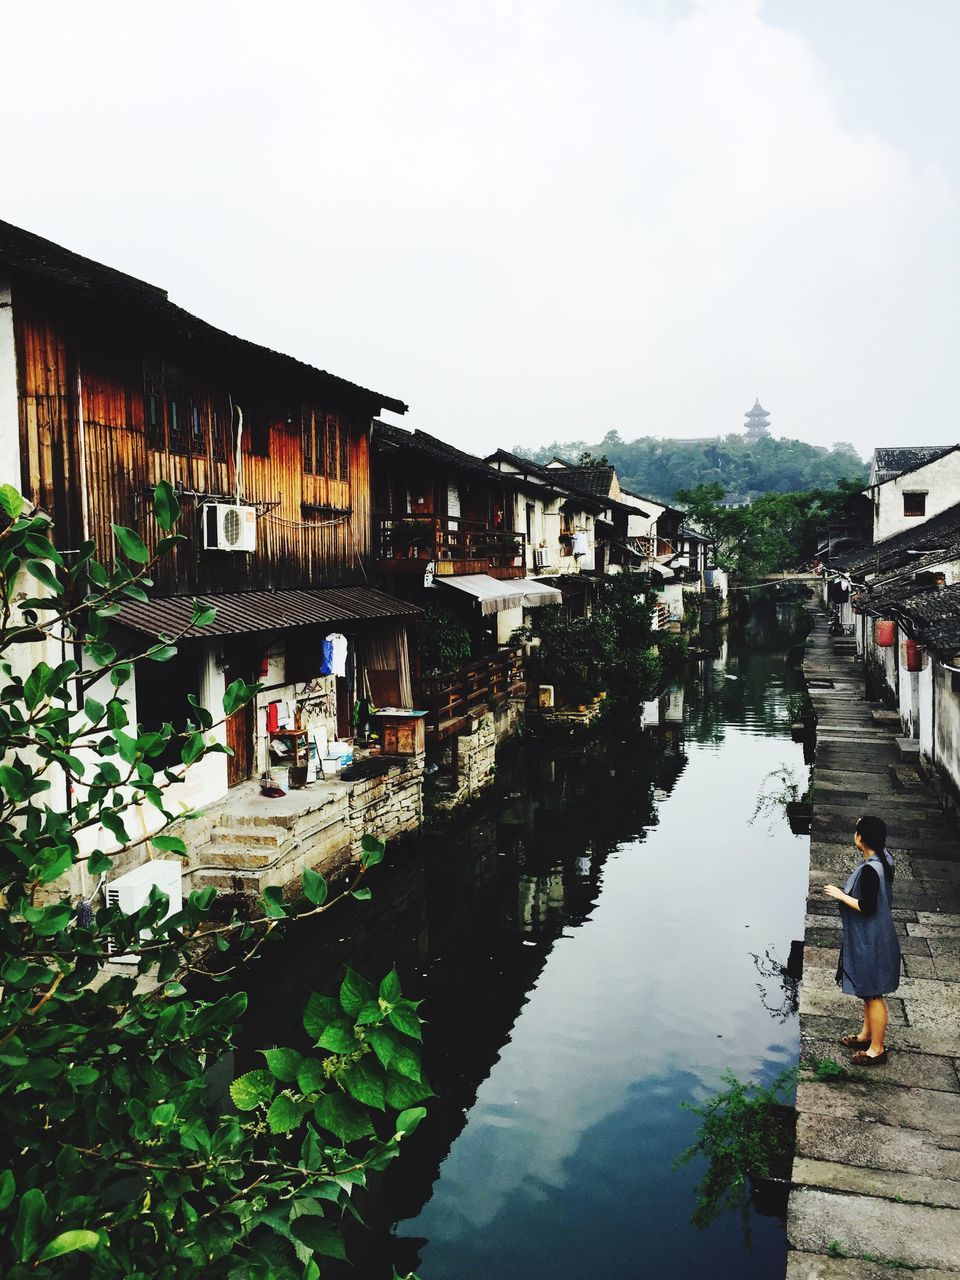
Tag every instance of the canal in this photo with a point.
(595, 946)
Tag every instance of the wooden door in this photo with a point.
(240, 725)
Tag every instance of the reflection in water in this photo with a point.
(583, 946)
(779, 989)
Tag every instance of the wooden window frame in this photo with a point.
(343, 427)
(917, 507)
(220, 433)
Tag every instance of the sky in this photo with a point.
(528, 220)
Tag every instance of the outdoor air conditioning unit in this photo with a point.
(229, 527)
(541, 557)
(131, 891)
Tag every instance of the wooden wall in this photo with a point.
(64, 354)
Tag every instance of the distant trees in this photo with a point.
(661, 467)
(775, 531)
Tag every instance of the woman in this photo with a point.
(869, 964)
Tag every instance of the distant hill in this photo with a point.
(659, 467)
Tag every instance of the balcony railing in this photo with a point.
(454, 544)
(453, 698)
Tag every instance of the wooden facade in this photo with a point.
(111, 403)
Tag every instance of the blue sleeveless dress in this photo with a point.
(870, 952)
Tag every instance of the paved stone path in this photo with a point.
(877, 1164)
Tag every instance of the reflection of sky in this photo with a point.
(641, 1007)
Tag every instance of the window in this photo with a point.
(344, 451)
(198, 433)
(153, 403)
(306, 428)
(914, 504)
(332, 448)
(219, 433)
(176, 417)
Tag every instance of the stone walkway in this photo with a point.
(876, 1174)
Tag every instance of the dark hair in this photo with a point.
(873, 833)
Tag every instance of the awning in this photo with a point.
(249, 611)
(495, 596)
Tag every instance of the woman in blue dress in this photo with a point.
(869, 964)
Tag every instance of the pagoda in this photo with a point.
(757, 426)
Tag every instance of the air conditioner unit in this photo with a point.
(541, 557)
(131, 891)
(229, 527)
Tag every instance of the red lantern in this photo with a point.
(884, 633)
(914, 656)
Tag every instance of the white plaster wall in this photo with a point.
(946, 750)
(508, 621)
(925, 685)
(940, 480)
(9, 417)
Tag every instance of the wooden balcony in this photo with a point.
(405, 543)
(452, 699)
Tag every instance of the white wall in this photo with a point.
(946, 749)
(9, 417)
(925, 689)
(939, 480)
(508, 621)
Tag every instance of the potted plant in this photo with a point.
(410, 535)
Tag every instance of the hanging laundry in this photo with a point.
(273, 717)
(580, 544)
(326, 659)
(338, 659)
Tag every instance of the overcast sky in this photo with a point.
(528, 220)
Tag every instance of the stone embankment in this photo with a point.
(876, 1174)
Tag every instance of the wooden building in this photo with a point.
(107, 387)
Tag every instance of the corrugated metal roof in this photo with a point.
(249, 611)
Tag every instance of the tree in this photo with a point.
(122, 1158)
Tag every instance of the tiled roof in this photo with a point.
(595, 480)
(892, 462)
(385, 433)
(932, 616)
(937, 537)
(558, 478)
(32, 255)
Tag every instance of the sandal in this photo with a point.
(869, 1059)
(853, 1041)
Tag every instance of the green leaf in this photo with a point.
(406, 1061)
(169, 844)
(355, 992)
(8, 1188)
(70, 1242)
(386, 1043)
(236, 695)
(283, 1063)
(93, 709)
(362, 895)
(164, 1115)
(273, 904)
(311, 1077)
(317, 1234)
(120, 674)
(314, 887)
(192, 749)
(131, 544)
(249, 1090)
(166, 506)
(320, 1010)
(407, 1121)
(367, 1083)
(43, 573)
(202, 616)
(371, 851)
(28, 1227)
(403, 1092)
(61, 859)
(340, 1115)
(284, 1114)
(406, 1020)
(390, 987)
(11, 502)
(117, 714)
(338, 1037)
(161, 652)
(53, 919)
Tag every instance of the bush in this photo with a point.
(123, 1158)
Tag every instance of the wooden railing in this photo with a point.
(452, 698)
(446, 539)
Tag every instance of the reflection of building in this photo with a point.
(757, 425)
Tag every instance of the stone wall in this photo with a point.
(478, 755)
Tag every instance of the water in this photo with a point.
(593, 950)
